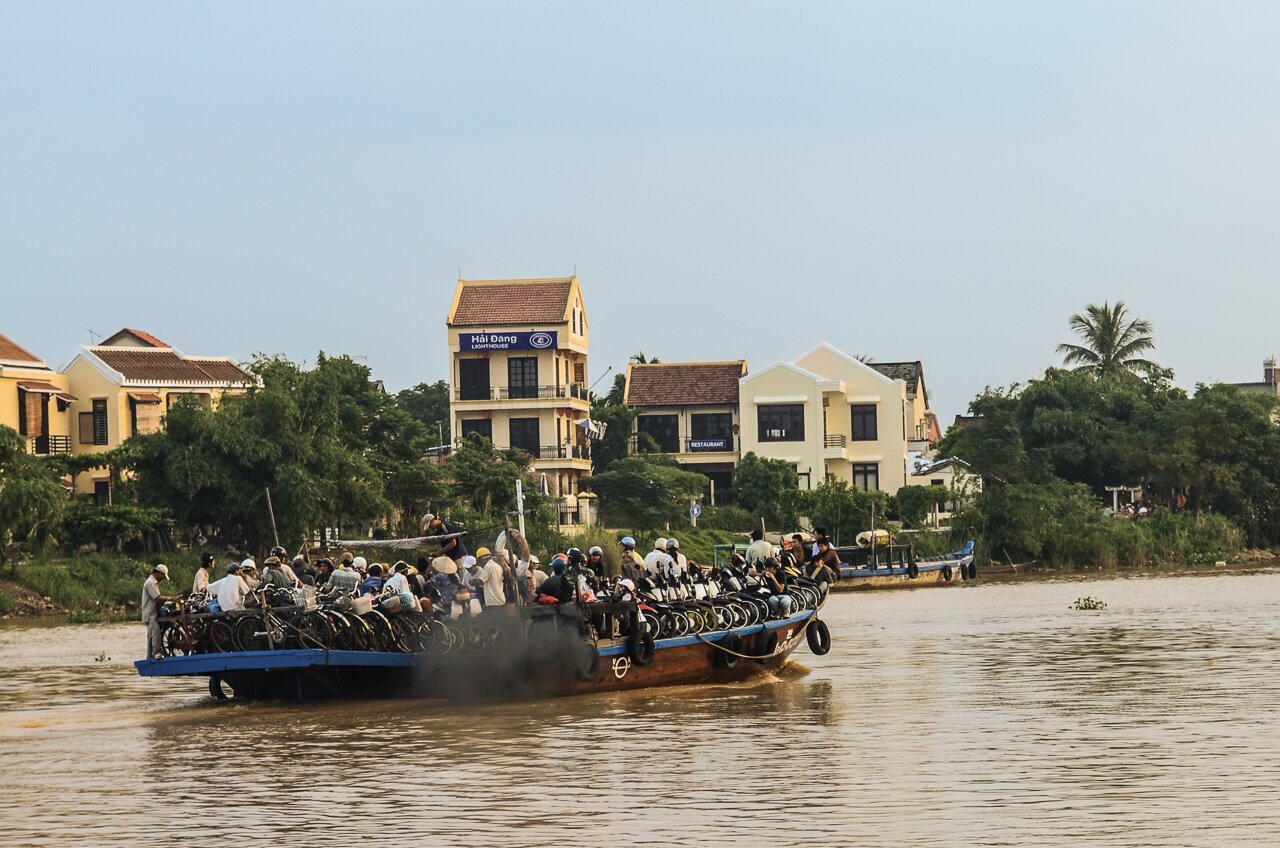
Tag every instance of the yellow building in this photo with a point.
(34, 399)
(830, 415)
(688, 410)
(518, 368)
(124, 385)
(923, 432)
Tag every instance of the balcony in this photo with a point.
(563, 452)
(576, 391)
(50, 445)
(837, 441)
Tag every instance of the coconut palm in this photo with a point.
(1113, 342)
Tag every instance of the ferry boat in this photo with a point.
(890, 566)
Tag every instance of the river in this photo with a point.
(990, 714)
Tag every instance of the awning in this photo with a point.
(145, 397)
(44, 389)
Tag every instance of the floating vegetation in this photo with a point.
(102, 657)
(1088, 604)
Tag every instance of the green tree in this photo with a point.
(484, 478)
(642, 492)
(842, 510)
(616, 443)
(32, 499)
(916, 503)
(767, 489)
(428, 403)
(1112, 342)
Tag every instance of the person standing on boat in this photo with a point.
(344, 580)
(556, 586)
(201, 582)
(632, 565)
(455, 549)
(595, 562)
(151, 601)
(232, 590)
(655, 562)
(758, 550)
(445, 581)
(491, 579)
(825, 568)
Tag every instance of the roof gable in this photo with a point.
(844, 357)
(127, 337)
(485, 303)
(911, 373)
(684, 383)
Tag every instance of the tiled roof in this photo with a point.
(143, 338)
(168, 366)
(684, 383)
(11, 351)
(491, 302)
(908, 372)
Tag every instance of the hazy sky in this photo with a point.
(945, 182)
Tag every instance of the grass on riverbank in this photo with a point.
(98, 587)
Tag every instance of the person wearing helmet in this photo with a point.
(632, 565)
(557, 586)
(361, 566)
(595, 562)
(678, 566)
(655, 562)
(372, 584)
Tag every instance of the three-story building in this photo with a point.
(35, 400)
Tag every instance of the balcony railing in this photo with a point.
(569, 390)
(563, 452)
(837, 441)
(50, 445)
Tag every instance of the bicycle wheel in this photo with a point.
(249, 634)
(406, 633)
(385, 637)
(220, 636)
(314, 631)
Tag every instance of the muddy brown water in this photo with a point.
(989, 714)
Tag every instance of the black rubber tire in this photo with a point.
(215, 687)
(946, 573)
(766, 644)
(818, 635)
(973, 571)
(641, 648)
(730, 643)
(588, 670)
(913, 571)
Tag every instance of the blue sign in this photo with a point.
(695, 510)
(720, 444)
(538, 340)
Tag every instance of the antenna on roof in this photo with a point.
(93, 337)
(459, 272)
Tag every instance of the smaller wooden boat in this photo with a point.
(896, 567)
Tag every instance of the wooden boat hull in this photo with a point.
(547, 671)
(930, 572)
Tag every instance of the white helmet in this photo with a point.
(359, 562)
(660, 544)
(626, 583)
(673, 543)
(249, 563)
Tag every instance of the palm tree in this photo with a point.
(1113, 342)
(641, 359)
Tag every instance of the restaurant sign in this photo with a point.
(720, 444)
(539, 340)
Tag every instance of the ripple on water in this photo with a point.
(989, 715)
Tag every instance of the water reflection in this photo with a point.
(988, 715)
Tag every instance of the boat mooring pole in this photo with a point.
(271, 512)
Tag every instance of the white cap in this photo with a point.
(468, 561)
(249, 563)
(533, 558)
(163, 569)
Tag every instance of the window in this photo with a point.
(473, 379)
(711, 431)
(93, 425)
(866, 475)
(664, 430)
(101, 492)
(144, 415)
(864, 422)
(524, 435)
(780, 422)
(476, 427)
(522, 377)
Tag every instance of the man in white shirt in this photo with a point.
(398, 582)
(232, 590)
(491, 576)
(678, 563)
(201, 581)
(151, 600)
(758, 551)
(655, 562)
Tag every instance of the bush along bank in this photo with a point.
(96, 587)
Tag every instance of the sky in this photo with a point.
(945, 182)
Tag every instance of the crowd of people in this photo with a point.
(457, 582)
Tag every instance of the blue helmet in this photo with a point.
(628, 542)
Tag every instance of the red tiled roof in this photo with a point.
(512, 302)
(684, 383)
(145, 397)
(166, 366)
(144, 338)
(14, 352)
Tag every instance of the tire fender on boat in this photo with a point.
(973, 570)
(766, 644)
(913, 570)
(723, 659)
(818, 635)
(215, 687)
(946, 573)
(641, 649)
(589, 665)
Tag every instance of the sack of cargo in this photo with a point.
(399, 602)
(362, 604)
(309, 598)
(213, 606)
